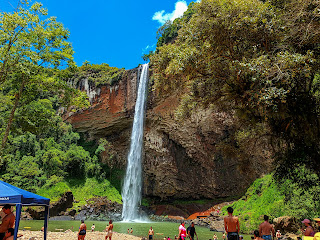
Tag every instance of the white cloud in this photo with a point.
(180, 7)
(161, 17)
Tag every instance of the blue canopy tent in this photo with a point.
(12, 195)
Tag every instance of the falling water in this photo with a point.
(131, 192)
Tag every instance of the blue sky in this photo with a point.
(111, 31)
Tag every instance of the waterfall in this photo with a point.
(131, 191)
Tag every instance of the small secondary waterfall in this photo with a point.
(131, 192)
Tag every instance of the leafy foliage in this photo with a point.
(82, 190)
(99, 74)
(169, 31)
(39, 150)
(32, 46)
(256, 60)
(297, 195)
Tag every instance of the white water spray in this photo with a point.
(131, 191)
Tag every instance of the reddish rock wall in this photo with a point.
(111, 111)
(181, 159)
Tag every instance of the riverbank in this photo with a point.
(38, 235)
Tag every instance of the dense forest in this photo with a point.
(259, 62)
(255, 60)
(39, 151)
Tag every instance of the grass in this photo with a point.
(82, 190)
(54, 192)
(262, 198)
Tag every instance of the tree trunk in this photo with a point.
(18, 96)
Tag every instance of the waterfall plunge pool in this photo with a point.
(161, 229)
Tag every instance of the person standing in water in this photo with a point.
(278, 235)
(182, 232)
(192, 231)
(266, 229)
(109, 230)
(231, 225)
(224, 236)
(151, 233)
(82, 231)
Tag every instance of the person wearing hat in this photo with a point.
(309, 229)
(318, 222)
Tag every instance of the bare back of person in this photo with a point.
(231, 224)
(266, 229)
(83, 226)
(82, 231)
(110, 227)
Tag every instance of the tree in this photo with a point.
(246, 58)
(29, 42)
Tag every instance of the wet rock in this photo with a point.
(65, 202)
(101, 209)
(80, 216)
(72, 212)
(217, 225)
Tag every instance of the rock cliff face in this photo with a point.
(181, 159)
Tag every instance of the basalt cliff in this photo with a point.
(181, 158)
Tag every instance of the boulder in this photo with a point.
(286, 224)
(65, 202)
(217, 226)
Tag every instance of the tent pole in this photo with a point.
(16, 225)
(46, 216)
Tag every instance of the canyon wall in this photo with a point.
(181, 158)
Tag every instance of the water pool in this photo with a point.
(161, 229)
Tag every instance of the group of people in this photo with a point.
(183, 232)
(266, 230)
(232, 227)
(6, 227)
(189, 232)
(231, 223)
(83, 230)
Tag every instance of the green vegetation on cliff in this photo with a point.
(257, 61)
(296, 195)
(96, 74)
(40, 152)
(82, 190)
